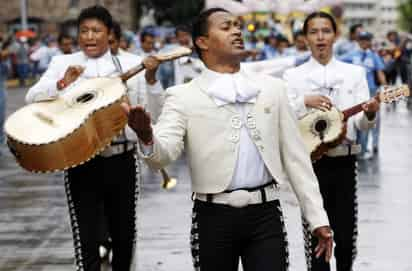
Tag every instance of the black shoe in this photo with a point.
(375, 150)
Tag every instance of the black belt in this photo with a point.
(261, 188)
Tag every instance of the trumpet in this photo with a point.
(168, 182)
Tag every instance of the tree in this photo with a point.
(405, 15)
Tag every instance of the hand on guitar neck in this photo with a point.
(139, 120)
(324, 103)
(370, 108)
(151, 64)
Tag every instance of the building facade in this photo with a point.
(48, 15)
(378, 16)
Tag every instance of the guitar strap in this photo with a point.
(117, 64)
(121, 139)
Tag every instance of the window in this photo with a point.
(74, 3)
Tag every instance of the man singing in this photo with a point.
(321, 82)
(110, 180)
(241, 139)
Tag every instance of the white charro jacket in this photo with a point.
(345, 84)
(191, 120)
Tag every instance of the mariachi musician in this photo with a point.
(321, 82)
(239, 124)
(110, 179)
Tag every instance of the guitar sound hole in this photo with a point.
(85, 98)
(321, 126)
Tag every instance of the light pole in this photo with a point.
(23, 14)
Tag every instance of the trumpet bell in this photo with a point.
(169, 184)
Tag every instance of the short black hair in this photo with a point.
(353, 28)
(200, 25)
(182, 28)
(96, 12)
(282, 38)
(297, 34)
(63, 36)
(319, 14)
(392, 32)
(117, 30)
(364, 35)
(145, 34)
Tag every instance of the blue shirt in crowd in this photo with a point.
(269, 52)
(371, 61)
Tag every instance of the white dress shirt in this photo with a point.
(238, 88)
(344, 84)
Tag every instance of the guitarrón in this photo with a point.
(70, 130)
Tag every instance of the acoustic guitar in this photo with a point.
(73, 128)
(323, 130)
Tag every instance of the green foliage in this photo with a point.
(405, 15)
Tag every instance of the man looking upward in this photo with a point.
(240, 137)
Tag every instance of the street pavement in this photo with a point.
(35, 233)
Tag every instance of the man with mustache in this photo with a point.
(110, 180)
(240, 137)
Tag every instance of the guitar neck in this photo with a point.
(167, 56)
(133, 71)
(355, 109)
(352, 111)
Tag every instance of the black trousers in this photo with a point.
(221, 235)
(337, 182)
(110, 184)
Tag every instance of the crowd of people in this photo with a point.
(387, 61)
(316, 65)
